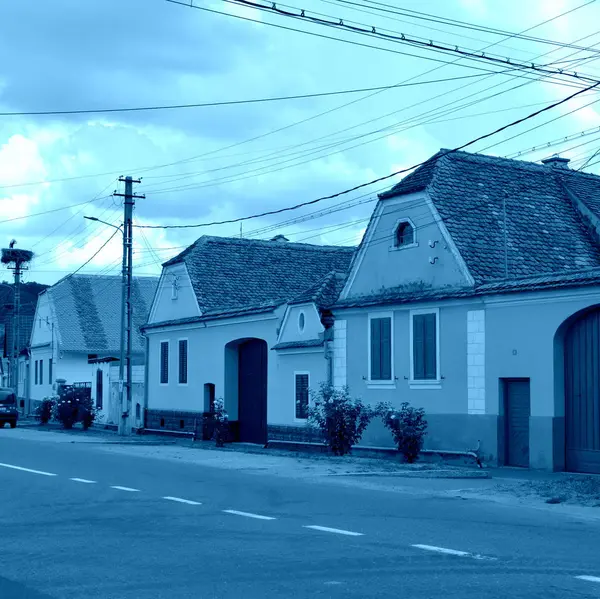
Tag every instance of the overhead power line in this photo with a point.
(237, 102)
(96, 252)
(371, 31)
(383, 178)
(415, 14)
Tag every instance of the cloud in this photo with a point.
(209, 164)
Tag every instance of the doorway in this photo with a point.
(517, 409)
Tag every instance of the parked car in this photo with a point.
(8, 407)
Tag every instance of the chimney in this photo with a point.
(280, 238)
(556, 161)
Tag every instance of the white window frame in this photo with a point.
(414, 244)
(425, 383)
(187, 374)
(168, 342)
(300, 420)
(378, 383)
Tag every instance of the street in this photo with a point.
(80, 521)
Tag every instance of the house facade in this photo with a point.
(248, 321)
(76, 337)
(476, 295)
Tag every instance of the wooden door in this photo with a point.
(252, 391)
(582, 394)
(517, 412)
(99, 389)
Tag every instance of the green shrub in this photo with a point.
(341, 419)
(408, 426)
(43, 411)
(74, 405)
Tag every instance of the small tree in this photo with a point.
(341, 419)
(408, 426)
(221, 420)
(74, 405)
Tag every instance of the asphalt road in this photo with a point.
(80, 522)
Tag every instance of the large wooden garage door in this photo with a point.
(582, 394)
(253, 391)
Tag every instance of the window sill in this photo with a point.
(425, 384)
(381, 385)
(397, 248)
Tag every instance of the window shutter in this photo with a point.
(429, 322)
(418, 346)
(36, 372)
(41, 372)
(302, 396)
(376, 349)
(386, 349)
(164, 362)
(50, 362)
(183, 359)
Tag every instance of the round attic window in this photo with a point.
(301, 320)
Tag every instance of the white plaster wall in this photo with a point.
(38, 392)
(282, 409)
(312, 324)
(164, 307)
(207, 357)
(380, 265)
(42, 326)
(206, 360)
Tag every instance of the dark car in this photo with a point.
(8, 407)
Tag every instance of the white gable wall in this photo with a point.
(165, 306)
(380, 265)
(42, 326)
(291, 330)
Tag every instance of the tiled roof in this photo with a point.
(405, 295)
(544, 230)
(324, 293)
(232, 274)
(87, 309)
(300, 344)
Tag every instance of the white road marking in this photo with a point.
(453, 552)
(118, 488)
(27, 470)
(180, 500)
(589, 578)
(84, 480)
(338, 531)
(249, 515)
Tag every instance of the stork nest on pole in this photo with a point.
(10, 255)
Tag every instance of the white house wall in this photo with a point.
(379, 264)
(291, 330)
(207, 358)
(42, 330)
(282, 406)
(165, 307)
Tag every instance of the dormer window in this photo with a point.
(404, 235)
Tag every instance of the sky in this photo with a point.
(204, 164)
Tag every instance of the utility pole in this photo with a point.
(16, 259)
(125, 382)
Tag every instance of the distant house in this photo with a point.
(475, 294)
(245, 320)
(76, 337)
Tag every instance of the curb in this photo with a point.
(418, 474)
